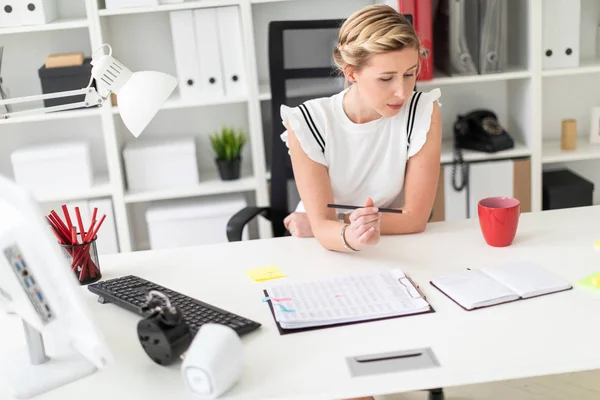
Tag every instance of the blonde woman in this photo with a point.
(372, 145)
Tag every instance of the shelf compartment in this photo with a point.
(211, 186)
(552, 153)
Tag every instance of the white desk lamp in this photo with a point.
(140, 94)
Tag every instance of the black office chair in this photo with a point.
(281, 166)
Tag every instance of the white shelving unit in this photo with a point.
(529, 101)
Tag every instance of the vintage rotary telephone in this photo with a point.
(478, 130)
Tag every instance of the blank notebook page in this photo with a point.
(474, 289)
(526, 279)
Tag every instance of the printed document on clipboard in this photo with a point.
(345, 299)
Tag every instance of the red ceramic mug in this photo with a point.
(498, 219)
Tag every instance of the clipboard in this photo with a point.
(286, 331)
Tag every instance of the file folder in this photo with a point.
(232, 50)
(186, 58)
(424, 27)
(492, 36)
(37, 12)
(451, 45)
(560, 46)
(209, 53)
(12, 18)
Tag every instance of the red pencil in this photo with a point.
(67, 216)
(80, 222)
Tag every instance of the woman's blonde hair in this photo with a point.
(373, 30)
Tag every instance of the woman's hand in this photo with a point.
(364, 226)
(298, 224)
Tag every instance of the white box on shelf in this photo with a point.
(38, 12)
(193, 222)
(53, 166)
(160, 164)
(118, 4)
(10, 13)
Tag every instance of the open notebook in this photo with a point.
(345, 299)
(498, 284)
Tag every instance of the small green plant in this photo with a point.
(228, 143)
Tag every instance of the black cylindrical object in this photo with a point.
(164, 341)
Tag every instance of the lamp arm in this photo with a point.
(92, 99)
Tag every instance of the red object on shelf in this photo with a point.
(422, 13)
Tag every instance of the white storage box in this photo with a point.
(155, 165)
(53, 167)
(193, 222)
(116, 4)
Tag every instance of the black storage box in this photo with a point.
(61, 79)
(564, 188)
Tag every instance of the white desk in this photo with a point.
(546, 335)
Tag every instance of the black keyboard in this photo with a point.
(130, 293)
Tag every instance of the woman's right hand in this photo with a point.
(364, 226)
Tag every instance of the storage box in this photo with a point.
(192, 223)
(155, 165)
(61, 79)
(564, 189)
(53, 167)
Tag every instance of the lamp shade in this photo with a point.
(142, 96)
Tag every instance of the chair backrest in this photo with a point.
(281, 167)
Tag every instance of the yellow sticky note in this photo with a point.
(591, 281)
(266, 273)
(597, 245)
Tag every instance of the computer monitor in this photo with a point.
(38, 286)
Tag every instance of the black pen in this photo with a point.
(341, 206)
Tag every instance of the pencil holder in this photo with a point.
(84, 261)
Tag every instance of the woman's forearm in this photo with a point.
(328, 234)
(397, 224)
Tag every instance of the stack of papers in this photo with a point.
(343, 299)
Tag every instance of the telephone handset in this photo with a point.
(478, 130)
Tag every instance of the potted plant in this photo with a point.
(228, 145)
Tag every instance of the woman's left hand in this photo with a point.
(298, 224)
